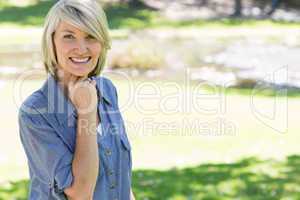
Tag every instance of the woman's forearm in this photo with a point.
(86, 158)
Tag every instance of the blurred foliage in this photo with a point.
(119, 15)
(252, 87)
(14, 190)
(28, 15)
(247, 179)
(125, 16)
(263, 92)
(3, 4)
(139, 54)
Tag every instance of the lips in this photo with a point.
(80, 60)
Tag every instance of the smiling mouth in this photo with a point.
(80, 60)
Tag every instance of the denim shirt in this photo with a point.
(47, 125)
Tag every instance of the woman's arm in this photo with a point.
(85, 165)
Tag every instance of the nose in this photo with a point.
(82, 47)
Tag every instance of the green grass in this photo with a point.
(254, 162)
(262, 92)
(246, 179)
(32, 15)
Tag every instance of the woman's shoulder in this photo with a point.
(34, 99)
(33, 103)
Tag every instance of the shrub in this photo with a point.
(138, 54)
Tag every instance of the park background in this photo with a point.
(238, 60)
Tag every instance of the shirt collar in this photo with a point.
(101, 90)
(59, 104)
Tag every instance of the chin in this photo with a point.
(80, 72)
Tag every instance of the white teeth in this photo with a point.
(83, 60)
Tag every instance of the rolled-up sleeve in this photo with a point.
(48, 157)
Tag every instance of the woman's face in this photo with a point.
(77, 52)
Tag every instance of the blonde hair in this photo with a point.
(86, 15)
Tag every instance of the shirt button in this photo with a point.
(108, 152)
(114, 130)
(112, 186)
(110, 172)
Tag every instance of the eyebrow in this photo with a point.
(69, 31)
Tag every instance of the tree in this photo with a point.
(238, 8)
(275, 4)
(134, 3)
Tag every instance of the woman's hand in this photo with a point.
(83, 94)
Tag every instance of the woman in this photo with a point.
(71, 128)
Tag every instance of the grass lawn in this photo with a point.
(246, 179)
(174, 158)
(184, 148)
